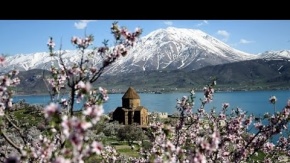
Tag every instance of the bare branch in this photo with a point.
(17, 128)
(10, 141)
(100, 72)
(43, 78)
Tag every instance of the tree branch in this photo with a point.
(50, 94)
(99, 73)
(17, 128)
(10, 141)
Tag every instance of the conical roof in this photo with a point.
(131, 94)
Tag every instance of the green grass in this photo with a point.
(28, 117)
(122, 147)
(127, 151)
(259, 157)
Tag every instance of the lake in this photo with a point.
(256, 102)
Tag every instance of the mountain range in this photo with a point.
(172, 52)
(163, 49)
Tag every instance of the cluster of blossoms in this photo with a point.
(79, 78)
(72, 130)
(221, 135)
(7, 80)
(129, 38)
(208, 92)
(224, 135)
(65, 138)
(273, 99)
(186, 103)
(51, 46)
(82, 42)
(125, 40)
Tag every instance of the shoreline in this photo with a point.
(178, 91)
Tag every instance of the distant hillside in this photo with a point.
(31, 82)
(244, 75)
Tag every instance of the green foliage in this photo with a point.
(146, 145)
(130, 133)
(28, 117)
(111, 129)
(259, 156)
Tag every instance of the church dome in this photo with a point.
(131, 94)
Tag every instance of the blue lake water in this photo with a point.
(256, 102)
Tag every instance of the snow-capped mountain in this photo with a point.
(163, 49)
(282, 54)
(178, 48)
(40, 60)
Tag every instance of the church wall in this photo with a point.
(130, 103)
(144, 117)
(126, 115)
(119, 115)
(137, 117)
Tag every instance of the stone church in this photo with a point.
(131, 110)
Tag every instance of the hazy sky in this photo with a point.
(251, 36)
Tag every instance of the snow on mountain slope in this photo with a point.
(177, 48)
(282, 54)
(40, 60)
(163, 49)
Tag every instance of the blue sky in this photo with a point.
(251, 36)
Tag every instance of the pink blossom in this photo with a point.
(61, 159)
(200, 158)
(51, 109)
(2, 60)
(258, 125)
(222, 116)
(63, 102)
(85, 125)
(5, 81)
(138, 30)
(226, 105)
(65, 125)
(50, 43)
(96, 147)
(75, 40)
(14, 72)
(288, 103)
(2, 108)
(268, 146)
(267, 160)
(9, 103)
(83, 87)
(15, 81)
(192, 92)
(93, 70)
(104, 92)
(273, 99)
(80, 85)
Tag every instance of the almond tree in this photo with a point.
(65, 138)
(201, 135)
(80, 76)
(220, 135)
